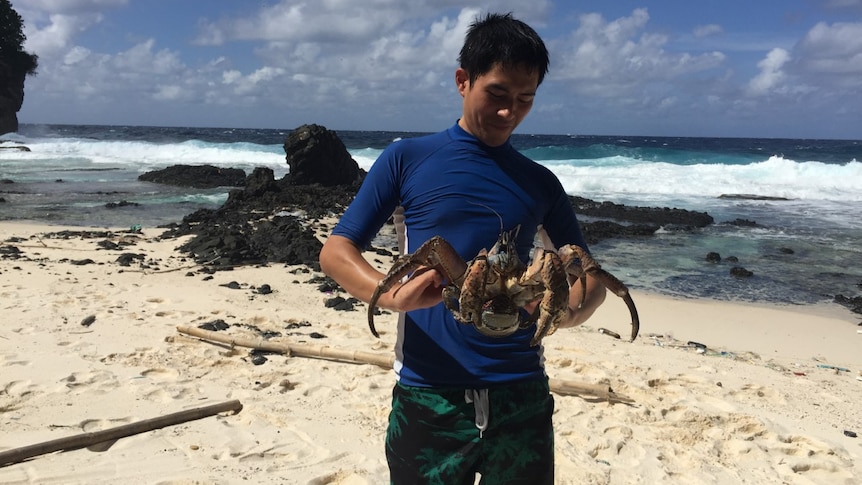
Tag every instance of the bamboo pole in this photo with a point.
(83, 440)
(386, 361)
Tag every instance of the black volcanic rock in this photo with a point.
(262, 221)
(600, 230)
(196, 176)
(676, 218)
(316, 155)
(854, 304)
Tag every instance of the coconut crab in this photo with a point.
(489, 291)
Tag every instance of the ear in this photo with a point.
(462, 80)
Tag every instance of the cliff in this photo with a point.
(11, 97)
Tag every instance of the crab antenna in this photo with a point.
(492, 210)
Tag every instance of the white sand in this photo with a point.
(764, 404)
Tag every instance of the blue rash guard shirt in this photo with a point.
(452, 185)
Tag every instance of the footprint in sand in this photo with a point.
(760, 395)
(170, 394)
(18, 389)
(92, 425)
(161, 375)
(98, 382)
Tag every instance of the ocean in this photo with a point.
(804, 248)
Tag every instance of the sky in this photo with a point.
(730, 68)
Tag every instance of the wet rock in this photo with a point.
(740, 272)
(750, 197)
(196, 176)
(742, 223)
(601, 230)
(664, 216)
(122, 203)
(713, 257)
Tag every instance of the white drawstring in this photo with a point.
(479, 398)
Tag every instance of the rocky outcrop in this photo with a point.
(317, 155)
(197, 176)
(263, 222)
(11, 97)
(662, 216)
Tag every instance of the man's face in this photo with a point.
(496, 102)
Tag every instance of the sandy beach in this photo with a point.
(770, 395)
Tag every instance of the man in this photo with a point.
(465, 403)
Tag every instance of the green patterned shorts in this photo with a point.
(446, 436)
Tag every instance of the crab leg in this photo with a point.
(572, 253)
(556, 296)
(435, 253)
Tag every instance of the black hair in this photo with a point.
(500, 38)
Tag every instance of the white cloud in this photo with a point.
(168, 93)
(706, 30)
(350, 62)
(833, 49)
(52, 37)
(771, 76)
(614, 58)
(75, 55)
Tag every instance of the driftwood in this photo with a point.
(83, 440)
(386, 361)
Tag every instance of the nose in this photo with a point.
(507, 111)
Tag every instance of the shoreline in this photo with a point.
(766, 400)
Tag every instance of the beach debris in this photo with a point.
(832, 367)
(850, 434)
(87, 321)
(489, 291)
(699, 347)
(609, 333)
(84, 440)
(383, 360)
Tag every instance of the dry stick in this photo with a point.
(83, 440)
(386, 361)
(299, 350)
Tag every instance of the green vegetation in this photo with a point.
(12, 42)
